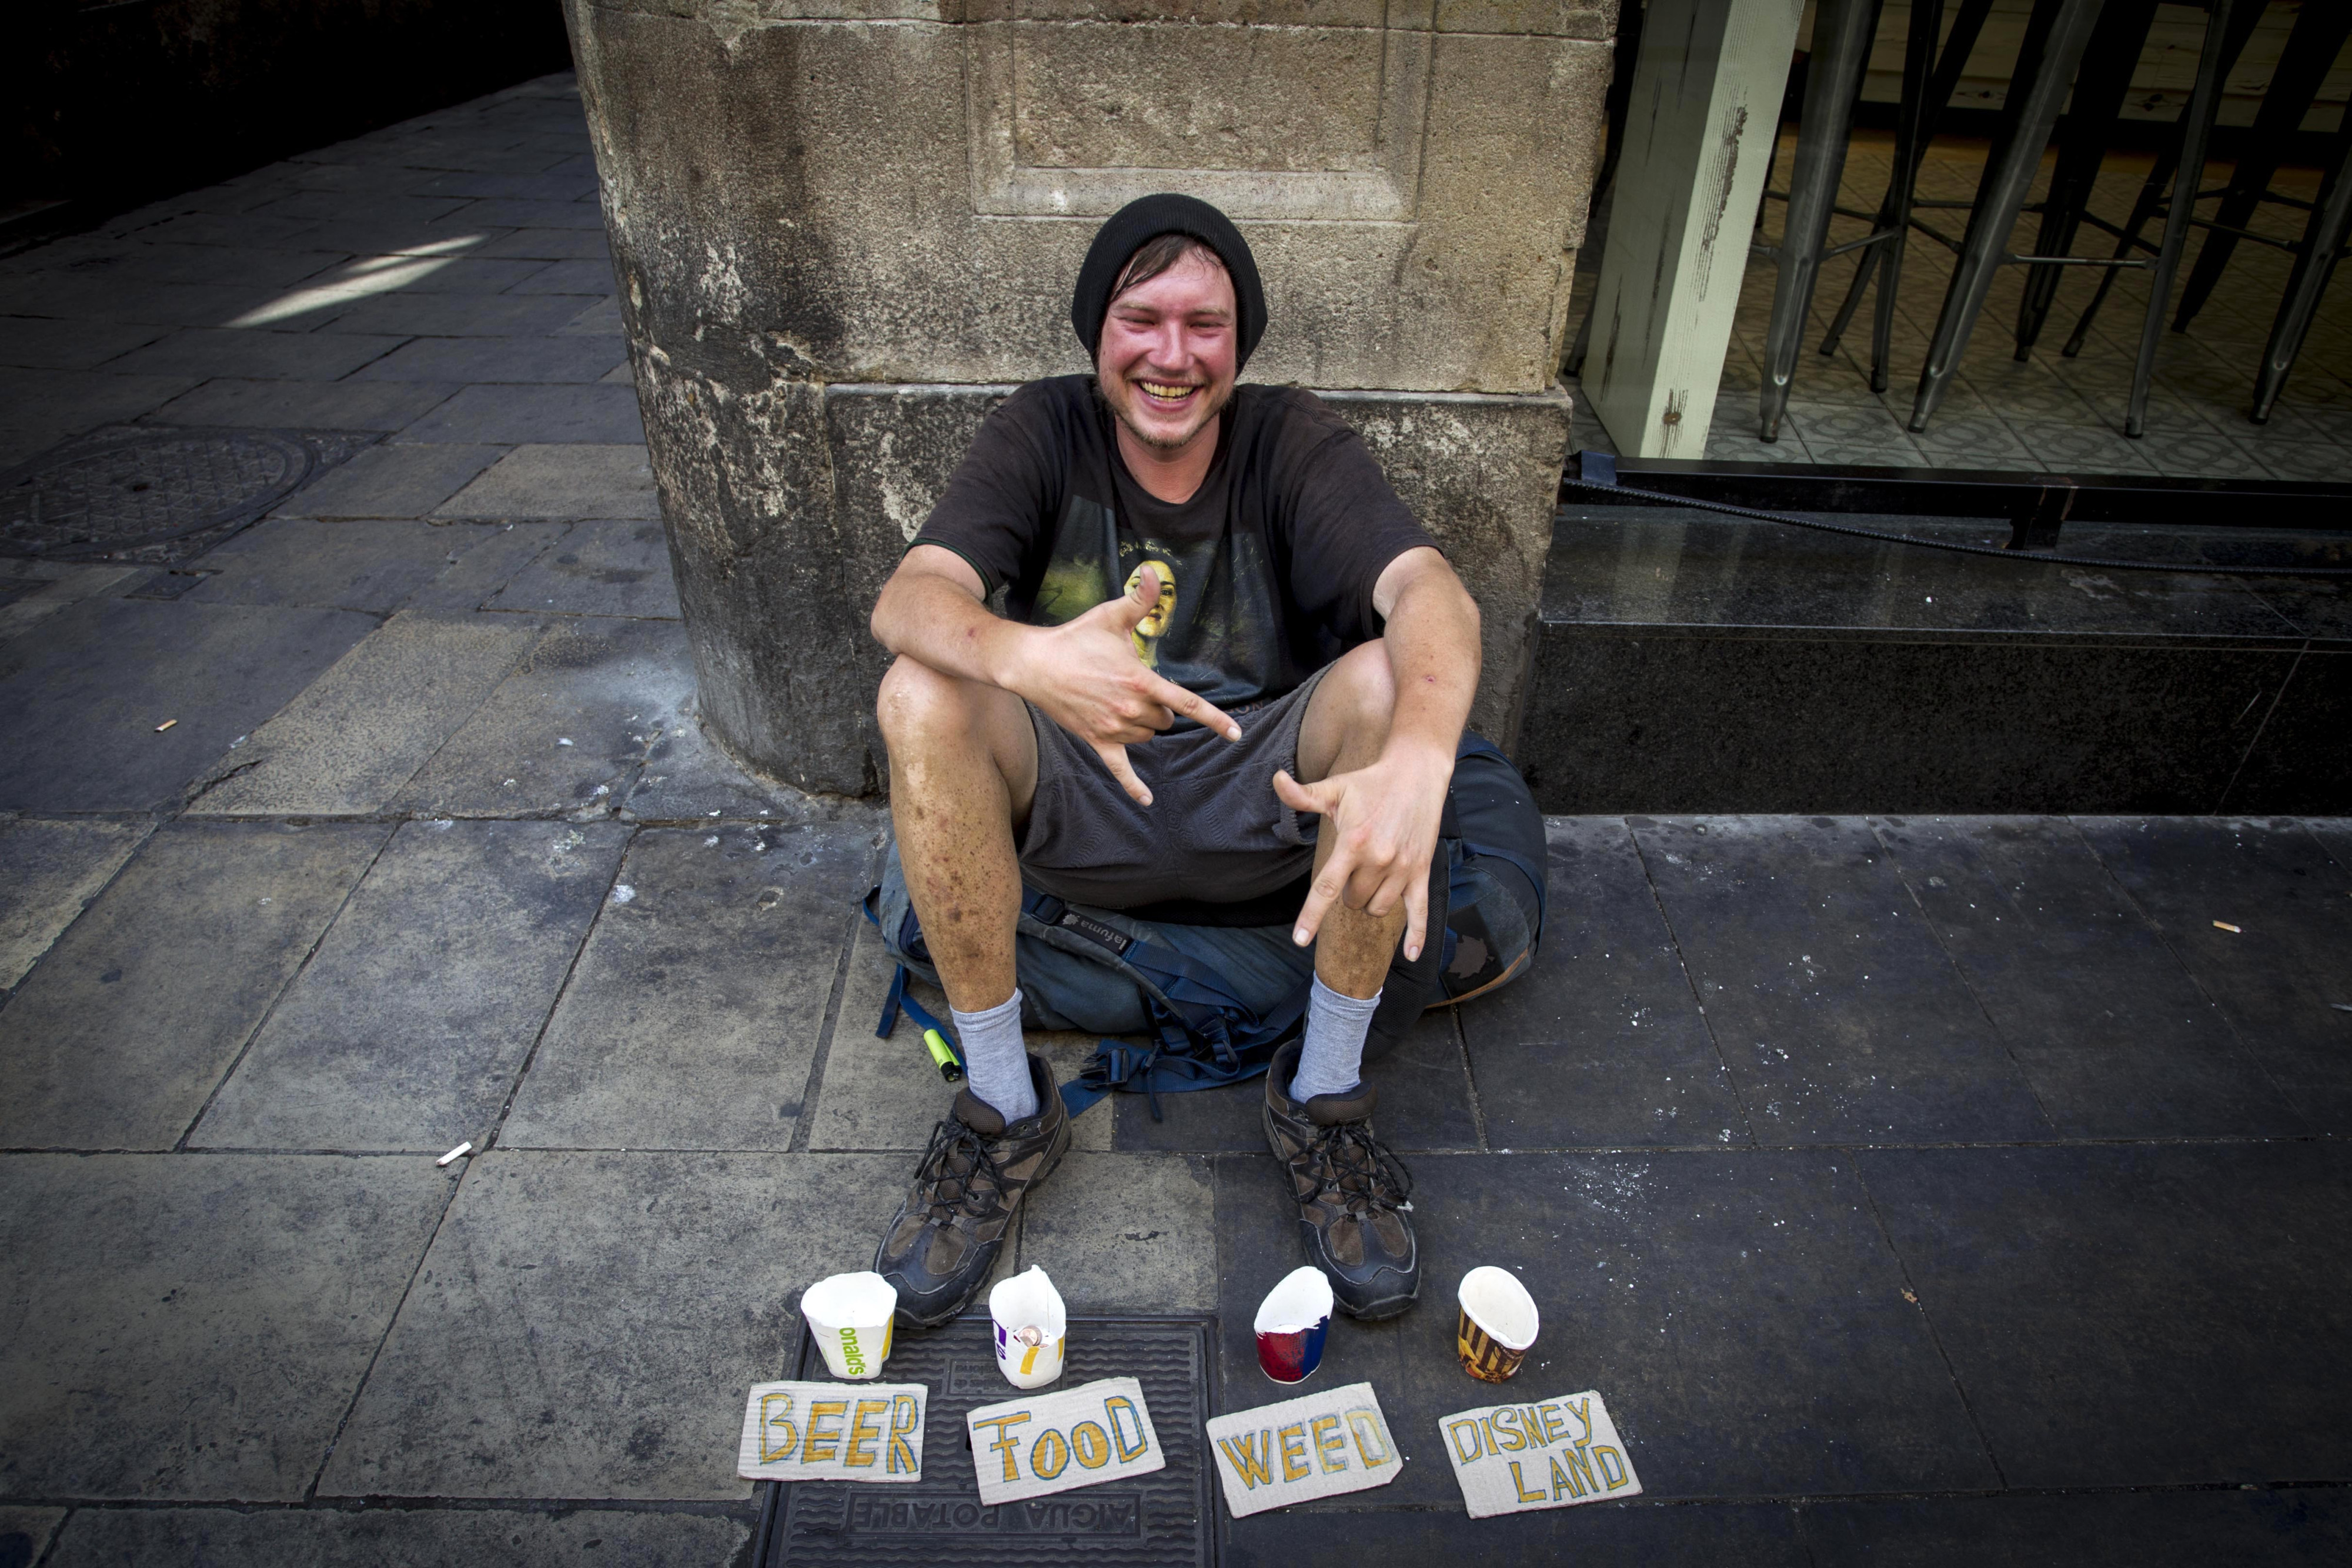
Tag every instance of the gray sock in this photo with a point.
(1334, 1048)
(996, 1059)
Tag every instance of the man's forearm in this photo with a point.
(1433, 656)
(936, 623)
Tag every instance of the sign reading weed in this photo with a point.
(1552, 1453)
(1316, 1447)
(832, 1432)
(1046, 1443)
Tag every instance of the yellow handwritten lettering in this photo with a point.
(1049, 1455)
(820, 1445)
(1251, 1459)
(775, 1416)
(1583, 1411)
(1456, 1431)
(1371, 1446)
(1331, 1447)
(1579, 1463)
(864, 1432)
(1006, 1443)
(1562, 1482)
(904, 1414)
(1555, 1424)
(1292, 1439)
(1513, 1439)
(1519, 1484)
(1120, 1412)
(1091, 1444)
(1613, 1467)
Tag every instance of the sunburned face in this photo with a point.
(1166, 362)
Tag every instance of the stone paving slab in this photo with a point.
(133, 1020)
(601, 569)
(566, 730)
(396, 479)
(49, 870)
(887, 1093)
(36, 589)
(85, 398)
(26, 1533)
(535, 412)
(584, 480)
(80, 701)
(426, 1538)
(308, 405)
(481, 572)
(1841, 1019)
(585, 1324)
(1739, 1310)
(377, 565)
(699, 1001)
(1755, 1535)
(554, 244)
(2058, 1277)
(195, 1328)
(43, 344)
(1124, 1232)
(206, 352)
(456, 316)
(362, 729)
(2115, 1038)
(1604, 1021)
(587, 275)
(2275, 977)
(501, 359)
(2114, 1530)
(688, 777)
(407, 1028)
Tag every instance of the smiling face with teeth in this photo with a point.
(1166, 364)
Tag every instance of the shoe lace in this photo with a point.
(962, 1176)
(1348, 1159)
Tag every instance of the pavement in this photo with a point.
(1914, 1190)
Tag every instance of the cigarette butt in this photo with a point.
(165, 725)
(460, 1151)
(2225, 925)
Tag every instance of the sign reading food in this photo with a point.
(826, 1431)
(1548, 1453)
(1301, 1450)
(1046, 1443)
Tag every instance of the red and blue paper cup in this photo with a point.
(1292, 1322)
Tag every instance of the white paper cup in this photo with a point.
(1030, 1328)
(849, 1317)
(1291, 1325)
(1499, 1323)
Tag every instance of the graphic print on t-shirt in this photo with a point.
(1154, 624)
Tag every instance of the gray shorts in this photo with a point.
(1215, 831)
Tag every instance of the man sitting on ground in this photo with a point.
(1227, 653)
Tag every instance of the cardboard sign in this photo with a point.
(832, 1432)
(1325, 1444)
(1044, 1443)
(1550, 1453)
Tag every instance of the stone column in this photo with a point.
(845, 228)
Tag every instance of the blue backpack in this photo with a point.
(1487, 896)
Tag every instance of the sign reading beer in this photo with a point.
(1547, 1453)
(832, 1432)
(1046, 1443)
(1301, 1450)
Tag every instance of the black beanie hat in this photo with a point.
(1138, 223)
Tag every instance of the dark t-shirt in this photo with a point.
(1267, 573)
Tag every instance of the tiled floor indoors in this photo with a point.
(2049, 412)
(1920, 1191)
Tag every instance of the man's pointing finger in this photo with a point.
(1195, 706)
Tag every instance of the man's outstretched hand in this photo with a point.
(1085, 677)
(1384, 820)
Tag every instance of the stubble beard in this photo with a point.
(1123, 408)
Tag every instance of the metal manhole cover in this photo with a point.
(1166, 1518)
(122, 494)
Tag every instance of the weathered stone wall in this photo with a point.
(843, 227)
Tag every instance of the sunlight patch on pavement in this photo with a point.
(359, 279)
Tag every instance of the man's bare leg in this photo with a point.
(964, 769)
(1346, 724)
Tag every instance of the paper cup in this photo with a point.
(849, 1317)
(1497, 1323)
(1030, 1328)
(1291, 1324)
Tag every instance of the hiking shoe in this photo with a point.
(1351, 1193)
(945, 1236)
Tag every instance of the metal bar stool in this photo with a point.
(1843, 30)
(2055, 38)
(2159, 179)
(2314, 262)
(2311, 51)
(1928, 83)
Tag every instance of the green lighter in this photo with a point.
(944, 1054)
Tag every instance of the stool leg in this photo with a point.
(1926, 17)
(2055, 41)
(2323, 243)
(2114, 48)
(2204, 102)
(1842, 34)
(1910, 143)
(2311, 49)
